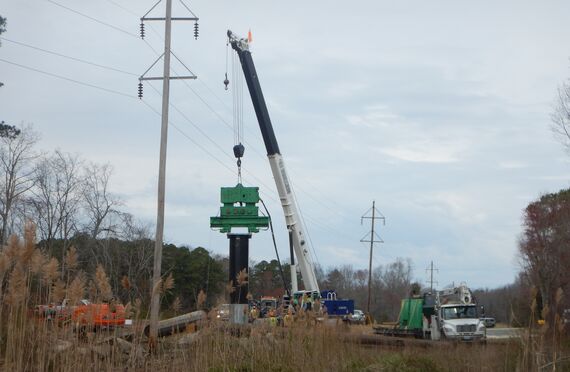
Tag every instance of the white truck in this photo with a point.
(449, 314)
(456, 316)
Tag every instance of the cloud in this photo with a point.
(346, 256)
(512, 165)
(423, 153)
(408, 139)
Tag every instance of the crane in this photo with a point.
(284, 188)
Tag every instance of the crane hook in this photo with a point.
(226, 81)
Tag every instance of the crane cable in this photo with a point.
(237, 98)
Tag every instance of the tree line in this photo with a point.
(75, 214)
(70, 202)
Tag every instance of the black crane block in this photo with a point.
(239, 150)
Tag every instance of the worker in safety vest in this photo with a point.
(288, 318)
(272, 317)
(309, 303)
(254, 314)
(305, 301)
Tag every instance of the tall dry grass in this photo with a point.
(543, 346)
(28, 278)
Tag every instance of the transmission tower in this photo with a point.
(430, 269)
(157, 267)
(372, 237)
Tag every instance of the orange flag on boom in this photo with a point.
(249, 37)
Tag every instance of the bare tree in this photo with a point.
(397, 278)
(561, 115)
(138, 259)
(99, 203)
(57, 193)
(16, 168)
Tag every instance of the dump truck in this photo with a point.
(449, 314)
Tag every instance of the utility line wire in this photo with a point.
(150, 46)
(272, 197)
(213, 142)
(255, 150)
(190, 138)
(314, 221)
(68, 57)
(122, 94)
(93, 19)
(110, 90)
(123, 8)
(134, 97)
(213, 110)
(68, 79)
(154, 50)
(216, 113)
(111, 69)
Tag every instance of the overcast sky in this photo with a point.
(437, 110)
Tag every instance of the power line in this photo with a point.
(123, 8)
(68, 79)
(125, 95)
(373, 237)
(194, 125)
(154, 50)
(93, 86)
(201, 99)
(170, 122)
(270, 193)
(214, 143)
(68, 57)
(144, 102)
(431, 269)
(116, 92)
(93, 19)
(230, 127)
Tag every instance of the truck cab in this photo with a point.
(460, 322)
(456, 316)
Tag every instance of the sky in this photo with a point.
(438, 111)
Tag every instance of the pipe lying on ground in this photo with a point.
(170, 326)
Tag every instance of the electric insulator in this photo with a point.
(196, 30)
(142, 30)
(140, 91)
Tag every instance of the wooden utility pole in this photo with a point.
(157, 266)
(374, 238)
